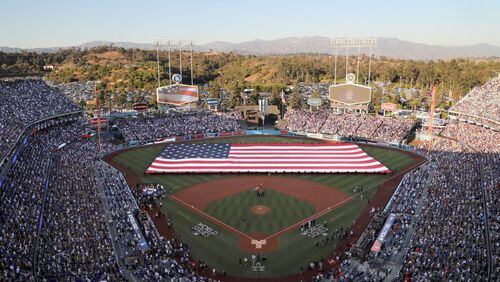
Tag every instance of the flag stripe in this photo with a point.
(289, 157)
(293, 146)
(189, 93)
(297, 151)
(294, 154)
(266, 160)
(266, 170)
(268, 165)
(322, 158)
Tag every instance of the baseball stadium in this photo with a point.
(297, 157)
(301, 217)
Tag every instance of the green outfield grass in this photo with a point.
(295, 251)
(284, 211)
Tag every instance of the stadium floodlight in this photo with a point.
(354, 41)
(170, 45)
(98, 108)
(175, 93)
(358, 42)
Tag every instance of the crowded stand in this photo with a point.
(376, 128)
(77, 91)
(23, 101)
(440, 231)
(309, 88)
(306, 121)
(450, 243)
(21, 197)
(178, 124)
(485, 144)
(73, 222)
(406, 207)
(349, 124)
(165, 259)
(481, 105)
(392, 130)
(145, 254)
(118, 202)
(63, 219)
(331, 124)
(315, 127)
(368, 127)
(51, 211)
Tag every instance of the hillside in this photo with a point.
(123, 70)
(389, 47)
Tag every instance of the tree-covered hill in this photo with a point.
(122, 69)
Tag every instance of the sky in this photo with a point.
(58, 23)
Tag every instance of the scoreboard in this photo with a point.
(350, 94)
(177, 94)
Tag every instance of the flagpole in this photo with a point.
(169, 65)
(357, 67)
(370, 66)
(335, 71)
(98, 105)
(346, 60)
(180, 62)
(158, 61)
(192, 82)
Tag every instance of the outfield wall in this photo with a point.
(269, 132)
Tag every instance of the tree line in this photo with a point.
(123, 70)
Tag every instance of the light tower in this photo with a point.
(98, 106)
(176, 92)
(351, 95)
(356, 42)
(432, 108)
(171, 45)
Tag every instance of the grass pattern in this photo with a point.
(222, 251)
(236, 211)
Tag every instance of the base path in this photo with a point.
(318, 195)
(323, 198)
(379, 200)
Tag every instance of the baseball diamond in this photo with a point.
(262, 214)
(219, 157)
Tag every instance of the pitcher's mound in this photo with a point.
(260, 210)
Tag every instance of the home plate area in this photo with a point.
(258, 243)
(257, 209)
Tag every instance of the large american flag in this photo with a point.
(274, 158)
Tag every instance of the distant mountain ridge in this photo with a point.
(390, 47)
